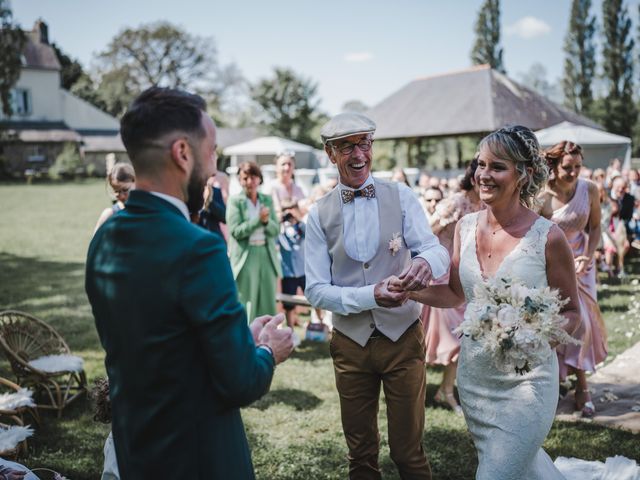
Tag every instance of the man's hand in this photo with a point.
(416, 275)
(257, 325)
(264, 215)
(280, 341)
(385, 297)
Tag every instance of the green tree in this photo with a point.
(68, 163)
(354, 106)
(71, 69)
(155, 54)
(620, 114)
(580, 58)
(486, 48)
(287, 106)
(12, 41)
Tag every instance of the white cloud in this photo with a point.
(528, 27)
(358, 57)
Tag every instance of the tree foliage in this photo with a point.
(620, 114)
(288, 106)
(486, 48)
(71, 70)
(580, 59)
(155, 54)
(12, 41)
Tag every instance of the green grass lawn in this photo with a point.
(294, 431)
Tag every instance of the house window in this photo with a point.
(21, 101)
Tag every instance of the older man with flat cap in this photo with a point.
(361, 233)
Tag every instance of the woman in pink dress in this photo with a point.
(284, 188)
(442, 345)
(574, 204)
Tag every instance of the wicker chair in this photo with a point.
(15, 402)
(26, 339)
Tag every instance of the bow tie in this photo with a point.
(368, 192)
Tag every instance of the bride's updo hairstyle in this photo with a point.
(519, 145)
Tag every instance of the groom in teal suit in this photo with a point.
(180, 358)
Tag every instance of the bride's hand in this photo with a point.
(394, 284)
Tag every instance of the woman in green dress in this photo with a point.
(253, 227)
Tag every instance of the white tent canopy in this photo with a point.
(598, 147)
(262, 150)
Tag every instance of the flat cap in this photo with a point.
(346, 124)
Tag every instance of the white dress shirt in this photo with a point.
(176, 202)
(361, 240)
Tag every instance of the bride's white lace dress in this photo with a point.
(509, 415)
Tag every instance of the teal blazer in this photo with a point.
(241, 227)
(179, 356)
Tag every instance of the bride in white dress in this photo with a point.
(509, 415)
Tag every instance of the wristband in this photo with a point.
(267, 348)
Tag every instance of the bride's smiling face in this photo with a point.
(496, 178)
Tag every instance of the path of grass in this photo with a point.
(295, 430)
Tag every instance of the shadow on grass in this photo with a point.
(310, 351)
(51, 291)
(298, 399)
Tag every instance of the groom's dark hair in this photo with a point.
(157, 112)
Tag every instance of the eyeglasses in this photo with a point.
(122, 190)
(347, 147)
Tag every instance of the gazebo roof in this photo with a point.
(266, 146)
(472, 101)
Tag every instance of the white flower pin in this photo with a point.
(395, 243)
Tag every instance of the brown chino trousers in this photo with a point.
(400, 368)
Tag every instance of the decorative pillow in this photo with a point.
(21, 398)
(58, 363)
(10, 437)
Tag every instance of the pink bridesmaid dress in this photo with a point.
(573, 218)
(441, 344)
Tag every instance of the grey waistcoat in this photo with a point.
(347, 272)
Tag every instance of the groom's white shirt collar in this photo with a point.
(176, 202)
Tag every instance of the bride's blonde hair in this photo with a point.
(520, 145)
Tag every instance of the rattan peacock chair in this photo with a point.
(41, 360)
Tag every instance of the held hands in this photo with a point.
(387, 294)
(581, 263)
(264, 215)
(415, 276)
(394, 291)
(265, 331)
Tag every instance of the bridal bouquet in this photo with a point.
(515, 323)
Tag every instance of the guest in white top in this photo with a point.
(358, 235)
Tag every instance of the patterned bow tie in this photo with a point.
(368, 192)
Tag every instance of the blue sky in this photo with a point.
(354, 49)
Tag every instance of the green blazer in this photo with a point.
(241, 227)
(179, 356)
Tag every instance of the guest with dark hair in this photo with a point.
(179, 356)
(253, 228)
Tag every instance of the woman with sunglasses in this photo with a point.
(573, 203)
(121, 180)
(442, 345)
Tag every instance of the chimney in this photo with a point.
(40, 33)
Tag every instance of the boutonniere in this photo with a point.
(395, 243)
